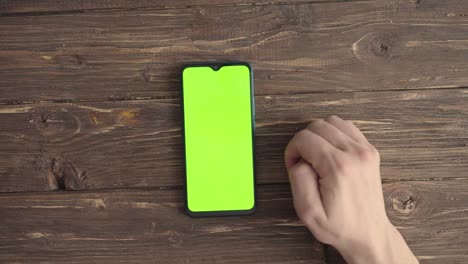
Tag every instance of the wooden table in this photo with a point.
(91, 157)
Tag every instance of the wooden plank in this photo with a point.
(432, 217)
(345, 46)
(420, 134)
(79, 226)
(149, 226)
(31, 7)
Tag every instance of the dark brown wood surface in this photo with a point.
(432, 216)
(150, 225)
(91, 158)
(420, 134)
(31, 7)
(325, 47)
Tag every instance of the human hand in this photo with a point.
(335, 180)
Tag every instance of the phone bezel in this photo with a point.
(216, 66)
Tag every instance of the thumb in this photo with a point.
(306, 194)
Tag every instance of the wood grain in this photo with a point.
(432, 217)
(46, 7)
(149, 226)
(301, 48)
(420, 134)
(441, 207)
(68, 67)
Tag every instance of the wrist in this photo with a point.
(385, 246)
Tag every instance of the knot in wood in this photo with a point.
(381, 45)
(403, 201)
(376, 47)
(45, 121)
(54, 123)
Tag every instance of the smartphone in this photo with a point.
(219, 131)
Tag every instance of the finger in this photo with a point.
(311, 148)
(331, 134)
(348, 128)
(306, 194)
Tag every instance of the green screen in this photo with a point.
(218, 138)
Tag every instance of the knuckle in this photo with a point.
(305, 213)
(296, 137)
(364, 154)
(301, 135)
(300, 169)
(326, 238)
(316, 123)
(305, 209)
(341, 163)
(286, 150)
(332, 118)
(349, 122)
(337, 234)
(375, 152)
(322, 232)
(367, 153)
(322, 236)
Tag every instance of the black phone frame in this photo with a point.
(216, 66)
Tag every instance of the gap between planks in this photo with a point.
(155, 98)
(182, 187)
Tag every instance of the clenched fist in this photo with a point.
(335, 180)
